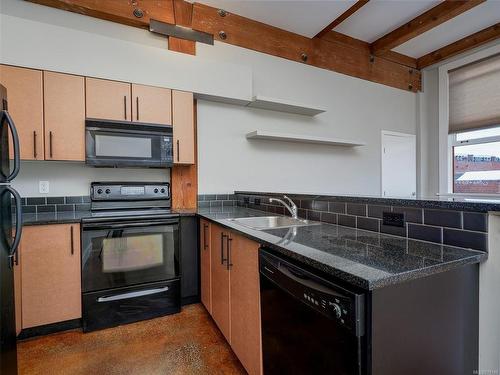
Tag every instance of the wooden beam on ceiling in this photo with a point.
(183, 15)
(475, 40)
(354, 8)
(336, 37)
(419, 25)
(133, 13)
(244, 32)
(257, 36)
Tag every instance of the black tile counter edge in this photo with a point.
(475, 206)
(352, 279)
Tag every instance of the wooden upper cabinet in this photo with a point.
(183, 127)
(109, 100)
(151, 104)
(220, 280)
(50, 274)
(64, 100)
(25, 98)
(245, 303)
(205, 261)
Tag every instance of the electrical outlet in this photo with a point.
(43, 187)
(393, 219)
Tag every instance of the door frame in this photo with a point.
(396, 134)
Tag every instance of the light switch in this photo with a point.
(43, 187)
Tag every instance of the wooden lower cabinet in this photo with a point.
(205, 261)
(235, 292)
(220, 280)
(245, 303)
(50, 274)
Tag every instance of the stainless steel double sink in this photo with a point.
(272, 222)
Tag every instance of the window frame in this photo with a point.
(453, 142)
(448, 141)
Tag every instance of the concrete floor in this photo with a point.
(185, 343)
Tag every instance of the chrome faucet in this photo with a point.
(292, 208)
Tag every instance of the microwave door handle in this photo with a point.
(19, 223)
(15, 140)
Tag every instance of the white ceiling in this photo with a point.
(378, 17)
(467, 23)
(370, 22)
(306, 18)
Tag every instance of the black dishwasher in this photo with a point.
(309, 325)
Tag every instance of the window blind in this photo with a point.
(475, 95)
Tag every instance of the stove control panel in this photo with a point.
(102, 191)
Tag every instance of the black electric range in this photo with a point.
(130, 254)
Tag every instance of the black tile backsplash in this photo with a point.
(219, 201)
(444, 218)
(347, 220)
(412, 215)
(476, 221)
(427, 224)
(33, 205)
(377, 211)
(35, 201)
(356, 209)
(55, 200)
(338, 207)
(462, 238)
(425, 233)
(368, 224)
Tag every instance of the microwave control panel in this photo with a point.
(166, 150)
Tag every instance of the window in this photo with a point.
(476, 161)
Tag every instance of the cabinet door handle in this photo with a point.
(50, 144)
(229, 242)
(178, 148)
(125, 106)
(34, 144)
(137, 105)
(205, 227)
(222, 260)
(72, 242)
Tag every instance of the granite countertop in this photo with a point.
(369, 260)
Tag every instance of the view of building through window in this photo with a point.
(477, 166)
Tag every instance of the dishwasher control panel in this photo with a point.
(339, 304)
(336, 307)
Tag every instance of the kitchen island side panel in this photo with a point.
(427, 326)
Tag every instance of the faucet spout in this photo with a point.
(291, 207)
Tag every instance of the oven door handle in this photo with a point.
(139, 293)
(123, 225)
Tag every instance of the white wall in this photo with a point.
(47, 38)
(73, 178)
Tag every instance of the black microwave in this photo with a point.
(125, 144)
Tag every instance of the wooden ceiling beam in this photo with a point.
(433, 17)
(118, 10)
(183, 15)
(356, 62)
(336, 37)
(475, 40)
(244, 32)
(354, 8)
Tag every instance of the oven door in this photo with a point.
(114, 144)
(119, 254)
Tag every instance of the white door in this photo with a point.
(399, 169)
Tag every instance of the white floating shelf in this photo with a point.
(258, 134)
(280, 105)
